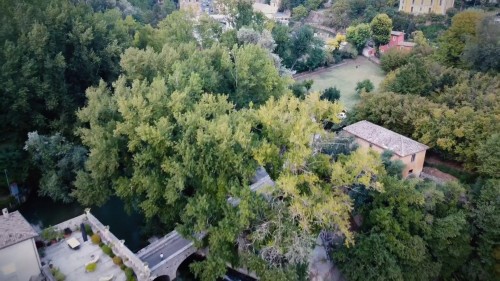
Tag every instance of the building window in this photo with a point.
(440, 2)
(413, 158)
(432, 2)
(413, 2)
(422, 2)
(410, 171)
(429, 10)
(371, 145)
(420, 9)
(412, 9)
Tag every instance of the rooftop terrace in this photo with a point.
(72, 262)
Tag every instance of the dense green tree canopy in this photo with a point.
(298, 48)
(452, 43)
(393, 59)
(489, 153)
(358, 35)
(189, 152)
(175, 116)
(59, 161)
(412, 231)
(185, 128)
(481, 52)
(381, 27)
(485, 263)
(51, 52)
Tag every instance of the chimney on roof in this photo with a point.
(5, 213)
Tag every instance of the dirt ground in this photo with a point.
(434, 159)
(444, 177)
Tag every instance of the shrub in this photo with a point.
(50, 233)
(365, 85)
(58, 275)
(349, 52)
(331, 94)
(301, 89)
(117, 260)
(123, 267)
(129, 273)
(91, 267)
(107, 250)
(88, 229)
(96, 239)
(393, 59)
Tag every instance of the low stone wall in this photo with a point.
(73, 224)
(47, 273)
(129, 258)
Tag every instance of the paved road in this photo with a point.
(167, 250)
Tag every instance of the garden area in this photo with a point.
(91, 260)
(345, 77)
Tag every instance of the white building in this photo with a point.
(19, 260)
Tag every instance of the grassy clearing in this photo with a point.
(345, 78)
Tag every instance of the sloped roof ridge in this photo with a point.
(14, 229)
(385, 138)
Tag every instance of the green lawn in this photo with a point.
(345, 78)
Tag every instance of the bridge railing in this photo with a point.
(130, 259)
(157, 244)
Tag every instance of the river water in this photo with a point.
(42, 212)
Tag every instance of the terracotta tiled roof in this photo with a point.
(385, 138)
(14, 229)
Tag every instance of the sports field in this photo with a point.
(345, 77)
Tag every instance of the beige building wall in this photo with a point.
(415, 166)
(193, 6)
(19, 262)
(425, 6)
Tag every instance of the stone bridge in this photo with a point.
(176, 249)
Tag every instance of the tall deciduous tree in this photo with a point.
(255, 76)
(482, 52)
(381, 27)
(452, 42)
(300, 12)
(358, 35)
(58, 161)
